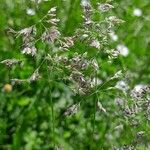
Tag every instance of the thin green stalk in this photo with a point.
(94, 114)
(51, 101)
(95, 103)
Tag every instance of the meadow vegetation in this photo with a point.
(74, 75)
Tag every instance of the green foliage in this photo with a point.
(33, 113)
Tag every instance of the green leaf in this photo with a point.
(24, 101)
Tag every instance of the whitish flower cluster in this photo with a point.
(123, 50)
(113, 36)
(28, 35)
(51, 35)
(104, 7)
(137, 12)
(117, 75)
(30, 12)
(95, 43)
(137, 104)
(71, 110)
(11, 62)
(139, 91)
(76, 66)
(122, 85)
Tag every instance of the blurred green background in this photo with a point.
(30, 114)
